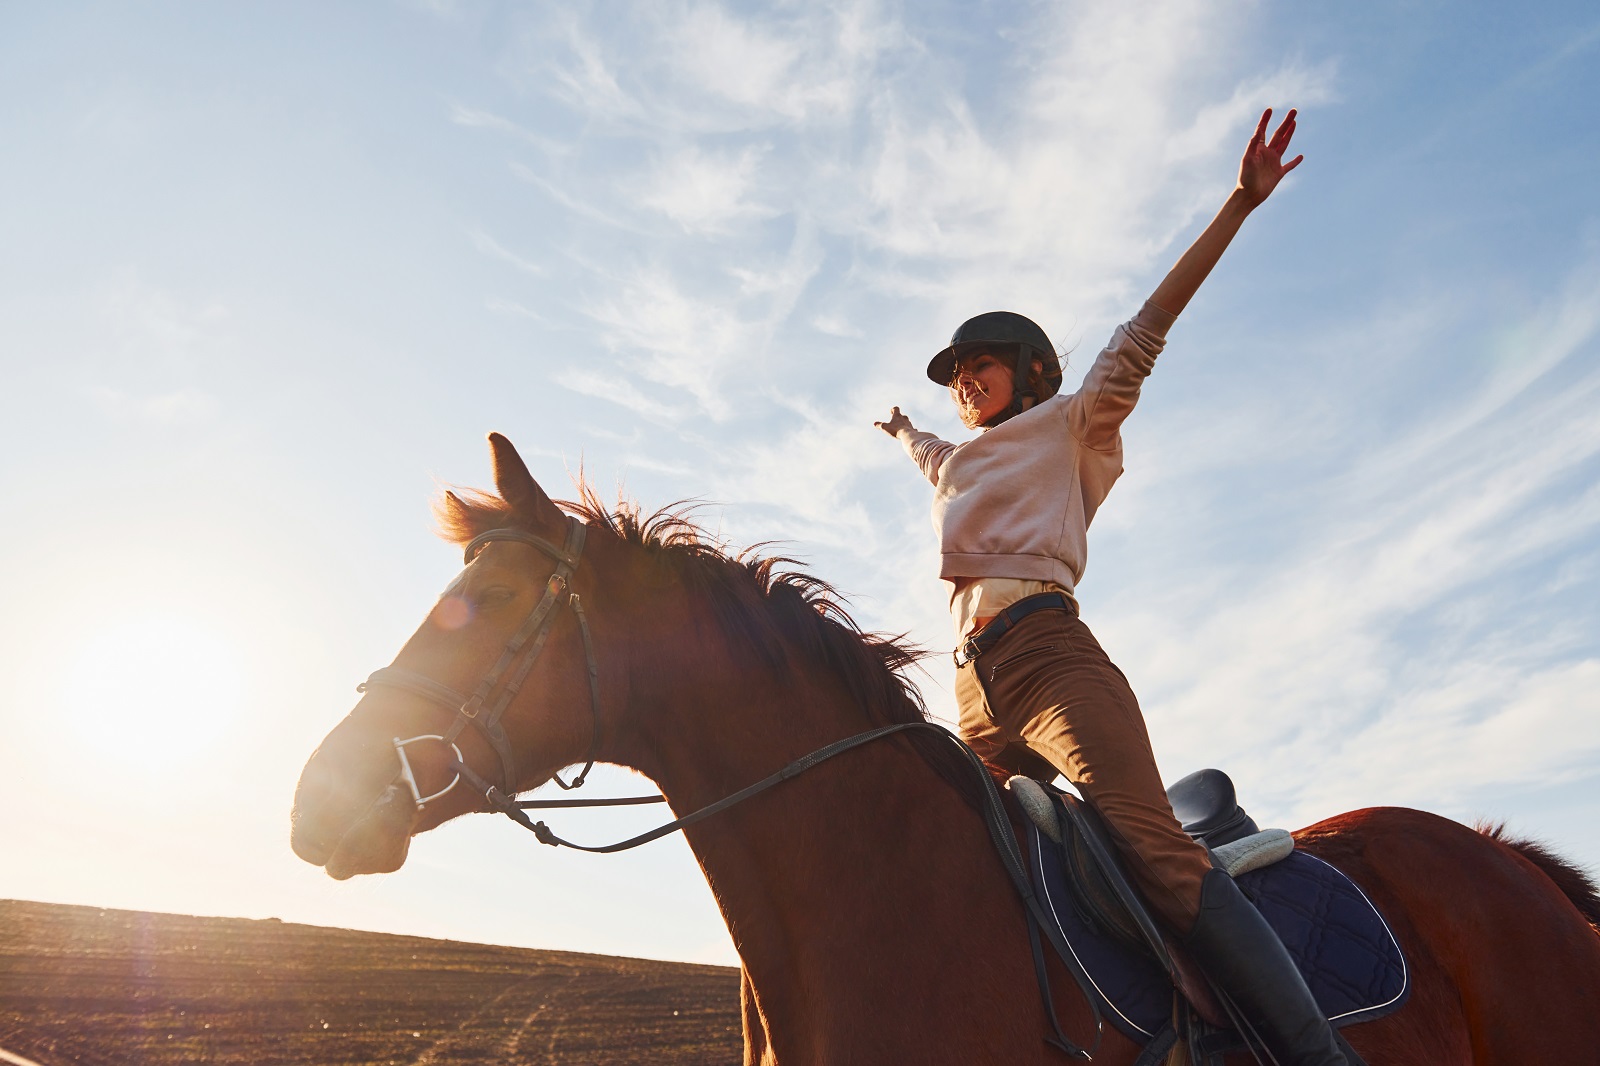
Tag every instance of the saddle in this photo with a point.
(1142, 979)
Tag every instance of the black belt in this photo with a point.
(1001, 624)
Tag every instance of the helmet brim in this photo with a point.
(942, 367)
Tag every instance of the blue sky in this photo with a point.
(272, 271)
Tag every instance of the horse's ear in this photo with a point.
(517, 487)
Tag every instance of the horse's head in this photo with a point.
(627, 639)
(506, 681)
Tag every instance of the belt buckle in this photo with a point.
(966, 652)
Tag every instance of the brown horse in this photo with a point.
(873, 920)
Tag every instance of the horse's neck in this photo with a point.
(860, 894)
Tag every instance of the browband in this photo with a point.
(561, 555)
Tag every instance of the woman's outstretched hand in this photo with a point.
(1259, 173)
(894, 423)
(1263, 166)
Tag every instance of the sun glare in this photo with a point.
(153, 690)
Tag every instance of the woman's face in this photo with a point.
(981, 388)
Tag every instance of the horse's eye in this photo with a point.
(494, 596)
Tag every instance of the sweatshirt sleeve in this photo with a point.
(1095, 413)
(926, 450)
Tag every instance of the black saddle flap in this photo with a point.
(1208, 808)
(1102, 885)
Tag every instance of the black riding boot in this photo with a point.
(1244, 958)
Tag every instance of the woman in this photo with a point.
(1036, 693)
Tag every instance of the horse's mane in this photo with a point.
(1576, 883)
(765, 602)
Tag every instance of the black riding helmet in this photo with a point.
(1006, 331)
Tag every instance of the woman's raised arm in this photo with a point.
(1259, 173)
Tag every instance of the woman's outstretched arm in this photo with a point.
(1259, 173)
(926, 450)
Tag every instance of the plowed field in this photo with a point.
(115, 988)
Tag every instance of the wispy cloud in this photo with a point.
(489, 246)
(673, 338)
(734, 58)
(796, 69)
(619, 389)
(806, 475)
(709, 346)
(579, 206)
(705, 193)
(582, 77)
(477, 118)
(1076, 189)
(704, 68)
(836, 326)
(501, 306)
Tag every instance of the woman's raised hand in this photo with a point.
(894, 423)
(1259, 173)
(1263, 166)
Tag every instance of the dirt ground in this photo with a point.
(114, 988)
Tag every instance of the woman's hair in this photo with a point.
(966, 412)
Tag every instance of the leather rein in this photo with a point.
(512, 669)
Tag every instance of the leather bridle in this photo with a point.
(487, 703)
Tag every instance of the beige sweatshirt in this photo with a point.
(1017, 500)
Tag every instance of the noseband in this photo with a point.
(504, 680)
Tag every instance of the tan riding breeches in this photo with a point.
(1047, 690)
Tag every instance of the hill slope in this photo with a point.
(109, 988)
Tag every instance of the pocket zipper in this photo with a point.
(1003, 663)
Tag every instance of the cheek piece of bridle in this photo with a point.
(505, 679)
(483, 708)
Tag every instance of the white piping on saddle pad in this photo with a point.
(1235, 857)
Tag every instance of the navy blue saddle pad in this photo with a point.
(1341, 943)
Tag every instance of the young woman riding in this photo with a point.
(1035, 691)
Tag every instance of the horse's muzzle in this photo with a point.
(336, 830)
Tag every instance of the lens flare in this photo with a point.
(452, 612)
